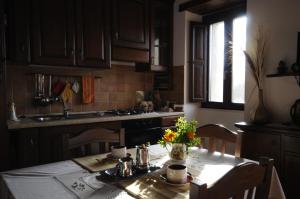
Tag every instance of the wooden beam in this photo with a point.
(204, 7)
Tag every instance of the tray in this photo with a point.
(110, 175)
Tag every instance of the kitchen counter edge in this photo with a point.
(29, 123)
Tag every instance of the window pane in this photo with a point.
(216, 62)
(238, 60)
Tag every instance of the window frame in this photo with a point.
(228, 18)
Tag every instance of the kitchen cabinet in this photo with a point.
(131, 24)
(18, 37)
(25, 145)
(93, 33)
(53, 32)
(281, 142)
(130, 30)
(161, 35)
(161, 43)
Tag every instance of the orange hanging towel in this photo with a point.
(88, 95)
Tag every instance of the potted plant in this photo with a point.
(180, 139)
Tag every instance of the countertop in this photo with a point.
(29, 123)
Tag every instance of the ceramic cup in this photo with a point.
(118, 151)
(177, 174)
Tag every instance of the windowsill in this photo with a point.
(217, 105)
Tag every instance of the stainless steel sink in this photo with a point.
(47, 118)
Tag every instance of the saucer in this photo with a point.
(163, 178)
(111, 157)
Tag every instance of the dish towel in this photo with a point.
(67, 93)
(88, 89)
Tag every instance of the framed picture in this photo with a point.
(298, 51)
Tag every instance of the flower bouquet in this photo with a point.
(182, 137)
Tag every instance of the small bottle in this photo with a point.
(12, 112)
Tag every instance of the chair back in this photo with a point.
(247, 180)
(93, 141)
(217, 132)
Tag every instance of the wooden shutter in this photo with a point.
(198, 61)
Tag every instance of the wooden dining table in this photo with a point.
(80, 178)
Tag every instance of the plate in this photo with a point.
(111, 157)
(163, 177)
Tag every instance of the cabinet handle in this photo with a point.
(31, 141)
(117, 36)
(72, 52)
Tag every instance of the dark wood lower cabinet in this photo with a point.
(277, 141)
(36, 146)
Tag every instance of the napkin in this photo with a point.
(86, 186)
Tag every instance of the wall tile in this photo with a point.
(115, 89)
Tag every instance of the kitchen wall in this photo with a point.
(280, 18)
(115, 89)
(181, 57)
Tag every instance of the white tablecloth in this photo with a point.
(57, 180)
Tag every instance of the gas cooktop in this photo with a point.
(122, 112)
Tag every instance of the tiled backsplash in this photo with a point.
(116, 89)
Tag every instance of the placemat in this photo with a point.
(151, 186)
(96, 163)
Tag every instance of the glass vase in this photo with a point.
(179, 151)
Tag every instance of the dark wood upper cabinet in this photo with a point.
(161, 38)
(131, 24)
(93, 33)
(18, 31)
(53, 32)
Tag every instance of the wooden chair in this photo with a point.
(82, 144)
(217, 132)
(248, 180)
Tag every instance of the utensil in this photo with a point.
(125, 167)
(142, 158)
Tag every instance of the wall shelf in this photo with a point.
(283, 74)
(296, 75)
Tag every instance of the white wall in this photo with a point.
(281, 19)
(181, 41)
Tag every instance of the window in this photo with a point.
(226, 64)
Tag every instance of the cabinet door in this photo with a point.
(291, 165)
(53, 32)
(18, 37)
(257, 144)
(93, 33)
(161, 35)
(130, 24)
(26, 144)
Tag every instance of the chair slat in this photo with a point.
(218, 132)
